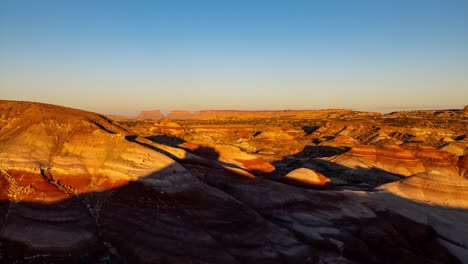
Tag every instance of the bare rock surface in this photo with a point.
(79, 188)
(442, 183)
(389, 162)
(307, 177)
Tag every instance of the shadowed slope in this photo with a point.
(75, 187)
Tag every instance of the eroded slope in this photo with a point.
(76, 187)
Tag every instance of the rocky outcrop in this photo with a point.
(442, 183)
(306, 177)
(456, 148)
(373, 165)
(432, 187)
(53, 159)
(463, 166)
(74, 148)
(165, 127)
(229, 155)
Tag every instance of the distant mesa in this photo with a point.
(244, 114)
(76, 187)
(180, 115)
(151, 114)
(282, 114)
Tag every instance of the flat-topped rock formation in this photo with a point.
(77, 187)
(180, 115)
(401, 116)
(151, 115)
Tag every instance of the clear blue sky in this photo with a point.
(120, 57)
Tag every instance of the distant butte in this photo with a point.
(180, 115)
(322, 186)
(150, 114)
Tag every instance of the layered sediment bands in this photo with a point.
(373, 165)
(195, 223)
(336, 225)
(437, 188)
(60, 230)
(434, 160)
(77, 188)
(49, 161)
(433, 175)
(390, 158)
(229, 155)
(306, 177)
(148, 223)
(463, 166)
(457, 148)
(442, 182)
(77, 149)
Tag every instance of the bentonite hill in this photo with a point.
(328, 186)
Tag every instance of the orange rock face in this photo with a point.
(463, 166)
(442, 182)
(222, 187)
(306, 177)
(390, 158)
